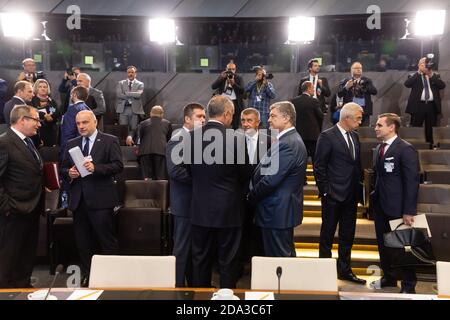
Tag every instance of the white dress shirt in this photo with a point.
(345, 135)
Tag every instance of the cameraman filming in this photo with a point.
(68, 82)
(424, 103)
(231, 85)
(260, 92)
(358, 89)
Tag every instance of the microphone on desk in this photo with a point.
(279, 272)
(58, 270)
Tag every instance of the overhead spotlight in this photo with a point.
(429, 22)
(17, 25)
(162, 30)
(301, 29)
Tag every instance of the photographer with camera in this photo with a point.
(358, 89)
(67, 84)
(29, 72)
(231, 85)
(260, 92)
(424, 103)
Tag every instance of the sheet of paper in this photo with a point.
(256, 295)
(85, 295)
(78, 160)
(420, 221)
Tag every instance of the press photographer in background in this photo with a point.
(29, 72)
(358, 89)
(424, 103)
(231, 85)
(68, 82)
(260, 92)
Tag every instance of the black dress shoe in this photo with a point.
(351, 277)
(385, 282)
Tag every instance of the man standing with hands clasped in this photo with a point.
(93, 197)
(396, 171)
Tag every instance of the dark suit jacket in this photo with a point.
(369, 89)
(98, 189)
(154, 134)
(336, 173)
(9, 105)
(309, 117)
(414, 82)
(20, 176)
(238, 88)
(324, 91)
(96, 101)
(216, 187)
(179, 176)
(3, 89)
(396, 192)
(279, 195)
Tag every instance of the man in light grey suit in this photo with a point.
(129, 104)
(95, 100)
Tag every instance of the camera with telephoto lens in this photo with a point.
(229, 74)
(429, 61)
(359, 88)
(269, 76)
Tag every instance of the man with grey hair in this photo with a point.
(216, 197)
(95, 100)
(337, 169)
(279, 195)
(21, 198)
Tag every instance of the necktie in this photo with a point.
(382, 147)
(86, 147)
(350, 145)
(30, 146)
(129, 85)
(426, 87)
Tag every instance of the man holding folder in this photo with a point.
(93, 197)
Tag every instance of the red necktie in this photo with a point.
(383, 145)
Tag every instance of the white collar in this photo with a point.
(253, 137)
(20, 134)
(342, 130)
(186, 129)
(282, 133)
(391, 140)
(93, 136)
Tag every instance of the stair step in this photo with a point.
(318, 214)
(315, 246)
(357, 255)
(316, 205)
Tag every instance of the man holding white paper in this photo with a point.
(396, 172)
(93, 197)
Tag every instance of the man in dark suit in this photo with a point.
(309, 117)
(181, 193)
(278, 184)
(216, 215)
(95, 100)
(21, 198)
(92, 198)
(3, 90)
(23, 93)
(230, 84)
(256, 144)
(337, 169)
(29, 72)
(424, 103)
(153, 136)
(358, 89)
(320, 90)
(396, 185)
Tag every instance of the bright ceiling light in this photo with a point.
(17, 25)
(162, 30)
(429, 22)
(301, 29)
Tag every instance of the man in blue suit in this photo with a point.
(181, 193)
(337, 169)
(396, 168)
(278, 184)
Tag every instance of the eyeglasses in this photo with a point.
(35, 119)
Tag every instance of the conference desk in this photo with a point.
(206, 294)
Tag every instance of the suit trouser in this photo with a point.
(251, 240)
(153, 166)
(278, 242)
(182, 244)
(19, 234)
(205, 241)
(344, 213)
(426, 112)
(236, 122)
(311, 148)
(130, 119)
(95, 232)
(407, 274)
